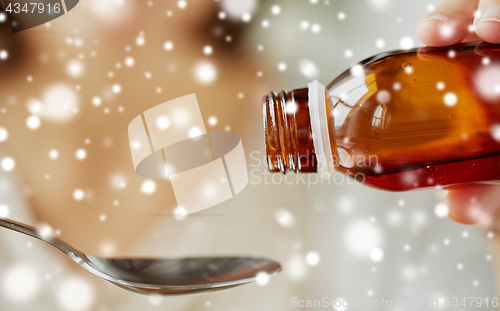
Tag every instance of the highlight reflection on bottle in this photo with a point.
(406, 119)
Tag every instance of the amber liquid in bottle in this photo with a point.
(400, 120)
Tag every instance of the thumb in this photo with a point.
(470, 204)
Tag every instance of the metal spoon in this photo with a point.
(169, 277)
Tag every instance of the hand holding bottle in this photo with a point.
(453, 21)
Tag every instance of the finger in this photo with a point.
(474, 203)
(448, 23)
(487, 21)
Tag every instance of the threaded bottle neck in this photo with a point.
(288, 134)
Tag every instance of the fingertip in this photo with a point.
(473, 203)
(458, 208)
(488, 31)
(434, 31)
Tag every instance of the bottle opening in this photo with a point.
(288, 133)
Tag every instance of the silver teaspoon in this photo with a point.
(169, 277)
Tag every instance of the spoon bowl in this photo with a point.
(168, 276)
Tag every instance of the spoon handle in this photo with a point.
(35, 233)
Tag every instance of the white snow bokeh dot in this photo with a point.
(362, 237)
(118, 181)
(495, 132)
(182, 4)
(276, 9)
(78, 194)
(59, 103)
(446, 31)
(33, 122)
(81, 154)
(315, 28)
(409, 273)
(208, 50)
(4, 211)
(8, 164)
(212, 121)
(383, 97)
(284, 218)
(20, 283)
(168, 46)
(180, 212)
(487, 82)
(75, 68)
(111, 11)
(236, 9)
(394, 217)
(262, 278)
(194, 132)
(348, 53)
(45, 230)
(75, 294)
(282, 66)
(4, 54)
(312, 259)
(4, 134)
(140, 41)
(406, 43)
(340, 304)
(441, 210)
(379, 4)
(345, 205)
(96, 101)
(116, 88)
(53, 154)
(376, 254)
(205, 72)
(308, 69)
(450, 99)
(380, 43)
(162, 122)
(129, 61)
(246, 17)
(357, 70)
(297, 269)
(107, 249)
(148, 186)
(155, 300)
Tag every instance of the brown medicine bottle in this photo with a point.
(400, 120)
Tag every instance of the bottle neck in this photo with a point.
(288, 134)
